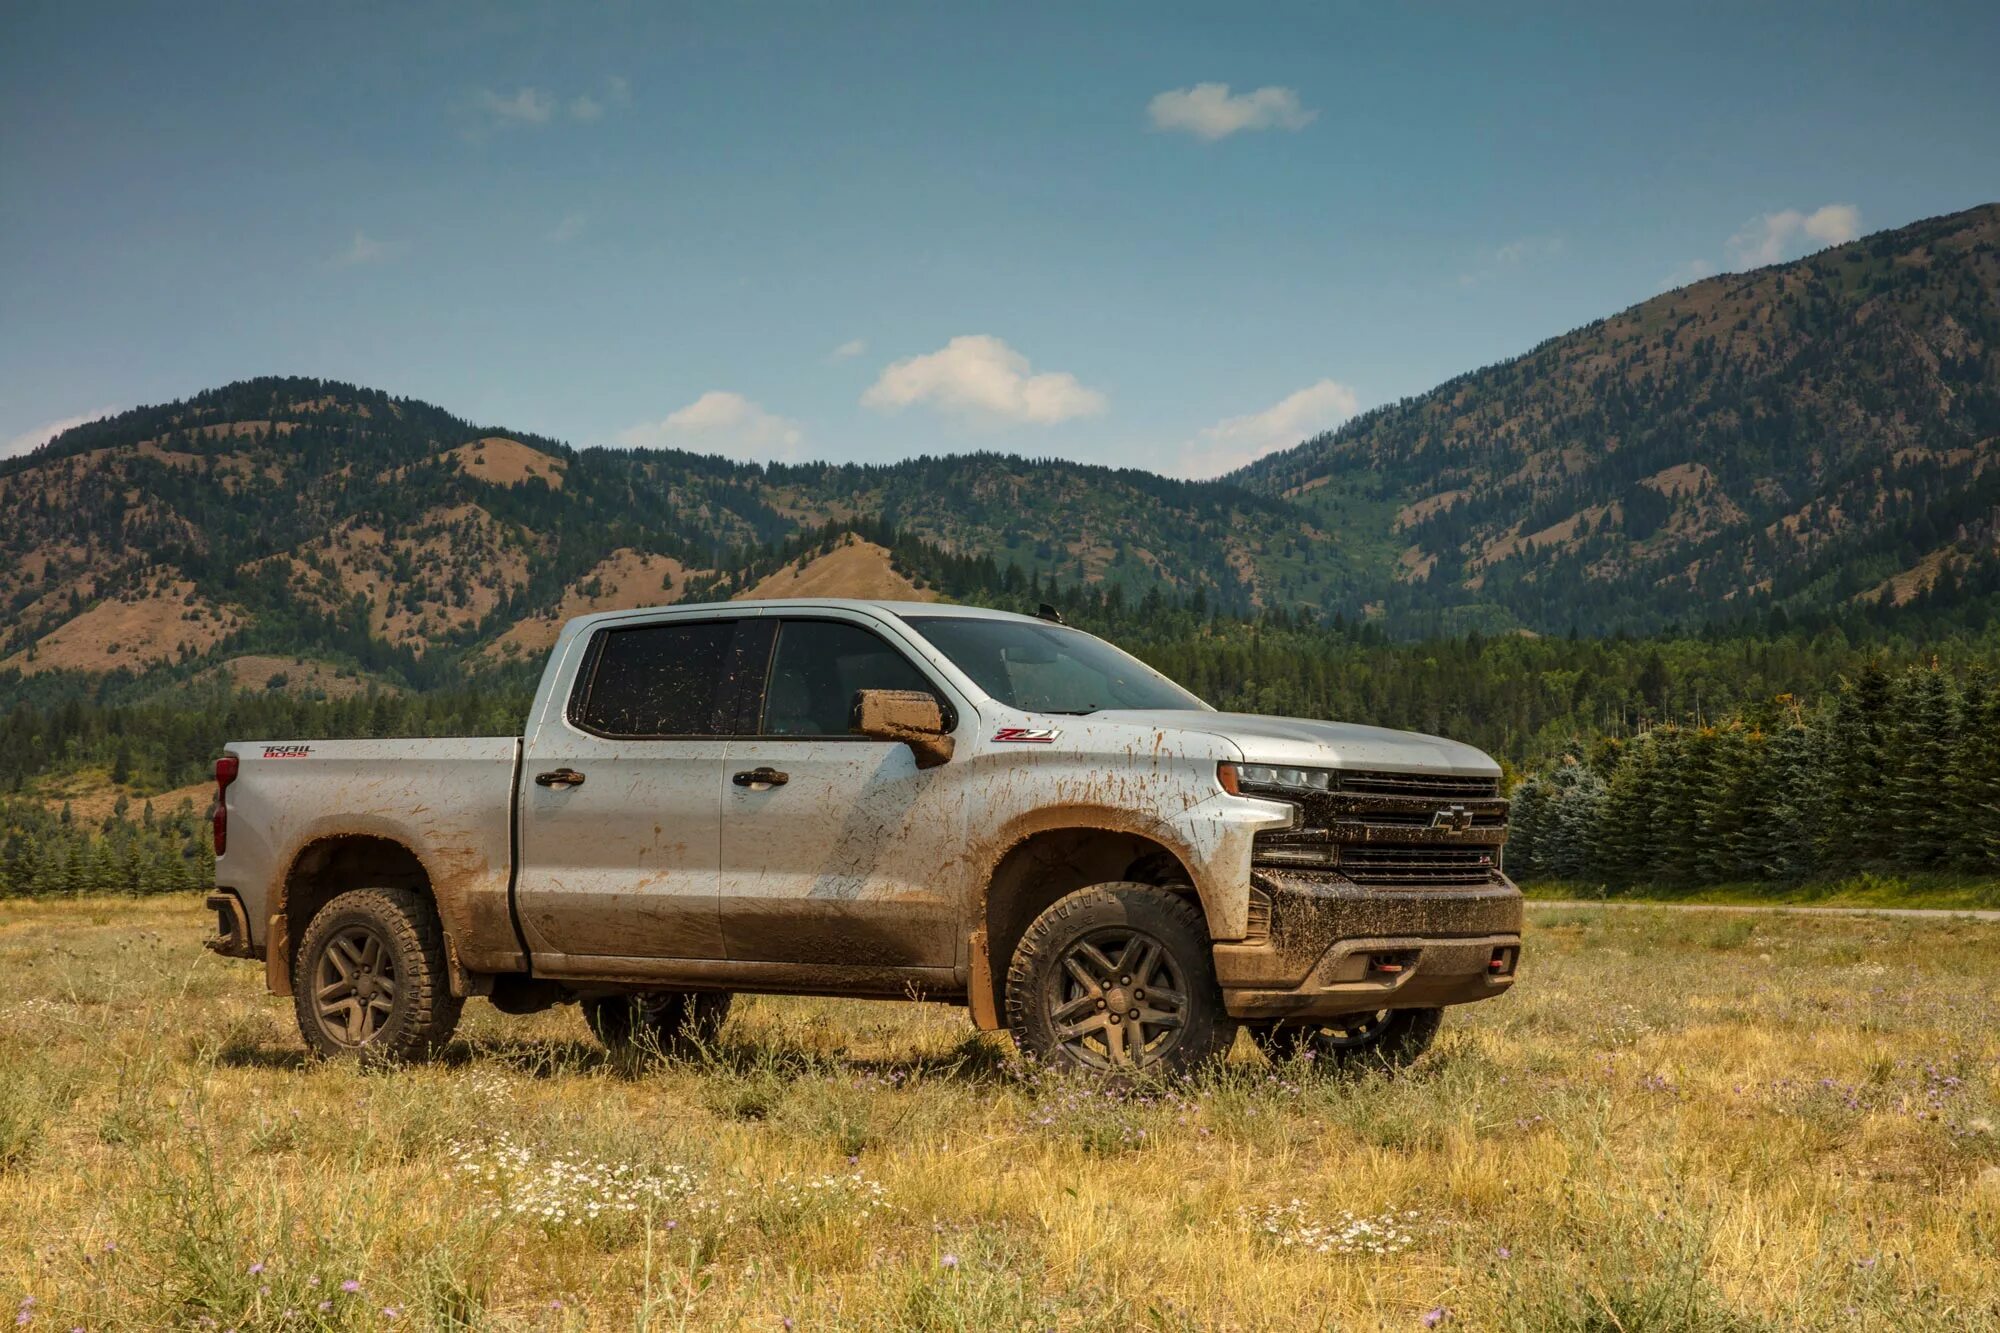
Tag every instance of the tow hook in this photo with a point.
(1385, 965)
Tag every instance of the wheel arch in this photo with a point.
(1044, 863)
(321, 870)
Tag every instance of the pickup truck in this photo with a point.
(874, 799)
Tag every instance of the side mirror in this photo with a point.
(911, 717)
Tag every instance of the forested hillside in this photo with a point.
(1804, 435)
(1812, 437)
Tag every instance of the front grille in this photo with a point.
(1372, 783)
(1423, 819)
(1413, 830)
(1441, 866)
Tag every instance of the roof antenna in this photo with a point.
(1047, 612)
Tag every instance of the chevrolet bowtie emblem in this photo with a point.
(1453, 819)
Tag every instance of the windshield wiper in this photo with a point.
(1069, 712)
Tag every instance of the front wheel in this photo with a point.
(670, 1022)
(1380, 1039)
(1118, 978)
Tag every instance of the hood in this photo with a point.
(1296, 741)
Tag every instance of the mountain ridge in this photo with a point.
(1814, 436)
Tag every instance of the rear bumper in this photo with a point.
(1335, 947)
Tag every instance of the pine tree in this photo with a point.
(1797, 804)
(1854, 834)
(1974, 790)
(1917, 760)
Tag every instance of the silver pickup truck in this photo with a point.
(890, 800)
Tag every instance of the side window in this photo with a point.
(818, 666)
(669, 679)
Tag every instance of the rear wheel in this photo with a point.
(1118, 978)
(1382, 1038)
(370, 978)
(672, 1022)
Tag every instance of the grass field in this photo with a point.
(1675, 1122)
(1953, 892)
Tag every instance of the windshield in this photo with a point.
(1049, 669)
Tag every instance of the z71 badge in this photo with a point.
(288, 751)
(1029, 735)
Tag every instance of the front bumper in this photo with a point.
(1334, 947)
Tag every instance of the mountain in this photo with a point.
(1817, 437)
(280, 516)
(1800, 436)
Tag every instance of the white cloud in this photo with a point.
(725, 423)
(848, 350)
(30, 440)
(1692, 271)
(1230, 444)
(538, 106)
(528, 106)
(1513, 254)
(568, 229)
(979, 377)
(1782, 235)
(1517, 252)
(365, 249)
(1208, 110)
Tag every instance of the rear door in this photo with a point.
(620, 795)
(834, 846)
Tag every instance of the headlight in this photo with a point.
(1235, 777)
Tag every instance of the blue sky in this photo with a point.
(1169, 237)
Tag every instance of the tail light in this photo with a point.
(225, 773)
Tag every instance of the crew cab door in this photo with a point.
(620, 815)
(836, 849)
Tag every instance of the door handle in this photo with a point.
(760, 777)
(560, 777)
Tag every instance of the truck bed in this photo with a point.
(449, 801)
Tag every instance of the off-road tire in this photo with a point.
(421, 1014)
(670, 1022)
(1058, 983)
(1386, 1040)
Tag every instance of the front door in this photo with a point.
(620, 798)
(835, 847)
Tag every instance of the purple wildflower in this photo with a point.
(1432, 1318)
(256, 1268)
(949, 1261)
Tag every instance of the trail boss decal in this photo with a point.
(288, 751)
(1028, 735)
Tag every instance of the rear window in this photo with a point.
(658, 680)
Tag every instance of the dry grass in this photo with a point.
(1761, 1123)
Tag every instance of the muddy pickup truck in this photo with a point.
(889, 800)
